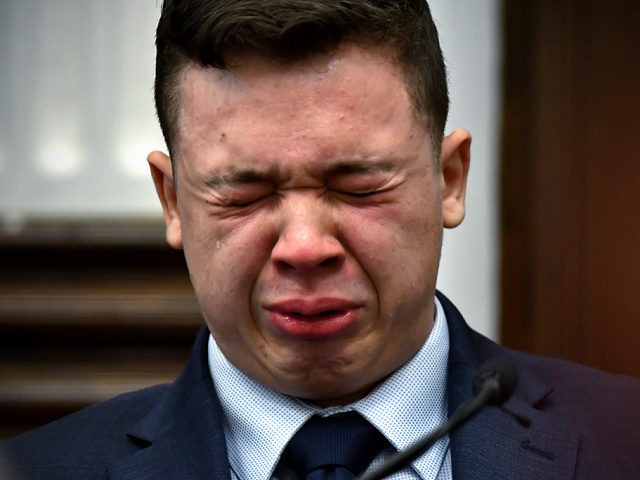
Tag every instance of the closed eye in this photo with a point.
(362, 180)
(240, 188)
(361, 194)
(364, 197)
(246, 201)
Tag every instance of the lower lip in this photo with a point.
(314, 327)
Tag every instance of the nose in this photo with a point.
(307, 238)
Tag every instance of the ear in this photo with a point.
(162, 174)
(454, 164)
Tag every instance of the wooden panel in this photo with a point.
(88, 310)
(611, 139)
(571, 181)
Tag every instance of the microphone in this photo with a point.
(497, 376)
(493, 384)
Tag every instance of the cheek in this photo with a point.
(224, 261)
(395, 236)
(398, 249)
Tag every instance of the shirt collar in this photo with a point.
(406, 406)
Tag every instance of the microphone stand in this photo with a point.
(489, 388)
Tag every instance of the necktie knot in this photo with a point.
(338, 447)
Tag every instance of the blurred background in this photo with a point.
(92, 302)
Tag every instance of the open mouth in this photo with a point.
(324, 315)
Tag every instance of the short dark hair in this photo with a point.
(206, 31)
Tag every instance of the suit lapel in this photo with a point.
(182, 437)
(494, 444)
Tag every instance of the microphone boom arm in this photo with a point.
(489, 388)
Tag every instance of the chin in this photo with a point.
(326, 394)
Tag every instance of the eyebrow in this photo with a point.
(352, 167)
(246, 176)
(237, 177)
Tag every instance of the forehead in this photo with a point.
(351, 90)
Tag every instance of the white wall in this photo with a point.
(77, 119)
(470, 33)
(77, 114)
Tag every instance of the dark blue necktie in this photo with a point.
(339, 447)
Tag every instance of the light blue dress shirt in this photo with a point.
(410, 403)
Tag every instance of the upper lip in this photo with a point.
(304, 306)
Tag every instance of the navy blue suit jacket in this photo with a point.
(585, 425)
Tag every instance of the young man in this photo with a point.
(308, 182)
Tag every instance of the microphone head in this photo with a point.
(500, 372)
